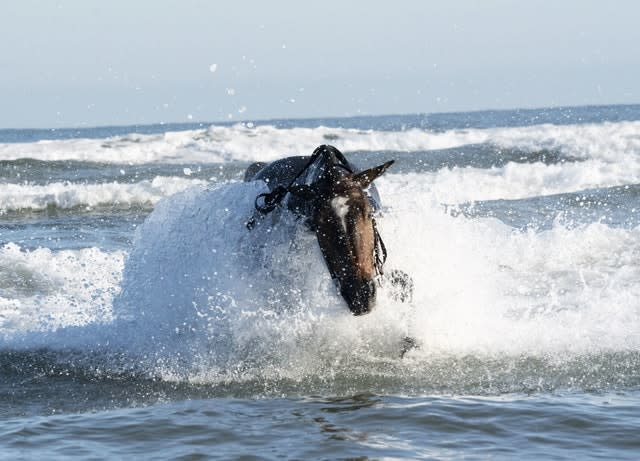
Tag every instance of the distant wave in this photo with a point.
(513, 181)
(607, 141)
(445, 185)
(16, 197)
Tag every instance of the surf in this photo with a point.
(499, 304)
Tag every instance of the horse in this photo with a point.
(338, 203)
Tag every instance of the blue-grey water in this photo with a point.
(140, 319)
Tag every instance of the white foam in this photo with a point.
(201, 293)
(605, 141)
(199, 284)
(609, 156)
(43, 290)
(70, 195)
(483, 289)
(446, 186)
(514, 180)
(223, 143)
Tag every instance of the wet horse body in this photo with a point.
(337, 202)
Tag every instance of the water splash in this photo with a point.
(204, 300)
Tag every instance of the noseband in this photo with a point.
(266, 202)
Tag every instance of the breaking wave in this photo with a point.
(203, 300)
(245, 142)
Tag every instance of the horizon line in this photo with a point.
(271, 120)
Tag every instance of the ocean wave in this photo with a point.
(43, 290)
(481, 289)
(605, 141)
(448, 185)
(514, 180)
(201, 299)
(68, 195)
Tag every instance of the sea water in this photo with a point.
(139, 317)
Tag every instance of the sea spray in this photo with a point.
(198, 283)
(203, 299)
(42, 290)
(500, 302)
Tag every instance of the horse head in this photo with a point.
(345, 228)
(333, 198)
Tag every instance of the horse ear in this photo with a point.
(366, 177)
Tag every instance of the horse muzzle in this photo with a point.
(361, 296)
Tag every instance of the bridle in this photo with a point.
(266, 202)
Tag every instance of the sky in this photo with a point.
(74, 63)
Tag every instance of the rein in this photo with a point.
(379, 249)
(270, 200)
